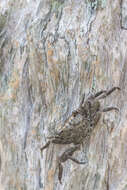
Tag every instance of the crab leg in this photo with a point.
(99, 93)
(110, 108)
(107, 93)
(45, 146)
(64, 157)
(60, 172)
(75, 160)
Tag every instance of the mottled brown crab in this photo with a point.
(79, 126)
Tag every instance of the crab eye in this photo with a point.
(74, 113)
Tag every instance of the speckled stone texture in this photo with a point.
(51, 52)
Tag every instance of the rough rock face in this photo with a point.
(51, 52)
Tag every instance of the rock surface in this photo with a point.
(51, 52)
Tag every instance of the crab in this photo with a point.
(79, 126)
